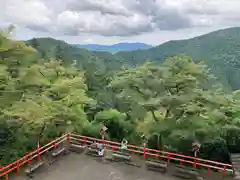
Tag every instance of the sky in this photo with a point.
(113, 21)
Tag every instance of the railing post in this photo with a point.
(18, 166)
(195, 163)
(144, 152)
(6, 177)
(225, 171)
(169, 158)
(103, 141)
(180, 163)
(68, 139)
(38, 154)
(209, 171)
(54, 146)
(29, 163)
(84, 140)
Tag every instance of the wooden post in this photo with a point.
(6, 177)
(68, 139)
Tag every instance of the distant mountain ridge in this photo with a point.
(219, 50)
(49, 48)
(115, 47)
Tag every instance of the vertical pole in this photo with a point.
(6, 177)
(38, 152)
(169, 158)
(195, 163)
(84, 140)
(103, 141)
(68, 139)
(209, 171)
(54, 147)
(39, 158)
(18, 166)
(225, 171)
(29, 163)
(144, 152)
(180, 163)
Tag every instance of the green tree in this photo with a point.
(38, 103)
(59, 53)
(178, 107)
(118, 127)
(35, 44)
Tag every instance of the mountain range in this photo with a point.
(219, 50)
(115, 47)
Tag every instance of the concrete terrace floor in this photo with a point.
(81, 167)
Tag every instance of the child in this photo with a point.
(100, 149)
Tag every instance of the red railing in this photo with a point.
(15, 166)
(112, 146)
(168, 156)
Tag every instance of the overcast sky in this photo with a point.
(112, 21)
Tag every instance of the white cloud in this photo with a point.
(120, 18)
(74, 23)
(104, 6)
(28, 13)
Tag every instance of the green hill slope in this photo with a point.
(220, 50)
(51, 48)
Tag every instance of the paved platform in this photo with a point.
(81, 167)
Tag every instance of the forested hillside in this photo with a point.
(166, 105)
(219, 50)
(49, 48)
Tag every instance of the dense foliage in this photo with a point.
(218, 50)
(168, 105)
